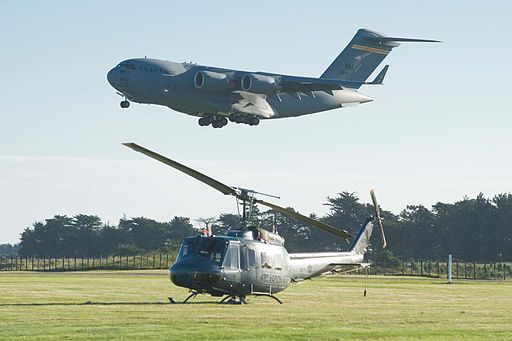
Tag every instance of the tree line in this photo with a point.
(472, 229)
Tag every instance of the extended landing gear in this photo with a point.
(215, 120)
(218, 121)
(251, 120)
(125, 104)
(233, 300)
(269, 295)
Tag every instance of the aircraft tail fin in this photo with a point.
(363, 55)
(362, 239)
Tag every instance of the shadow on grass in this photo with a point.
(45, 304)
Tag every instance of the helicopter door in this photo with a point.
(231, 263)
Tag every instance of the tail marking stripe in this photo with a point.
(370, 49)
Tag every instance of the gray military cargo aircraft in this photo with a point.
(217, 95)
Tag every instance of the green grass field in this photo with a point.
(133, 305)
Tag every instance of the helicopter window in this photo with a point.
(251, 257)
(213, 249)
(266, 260)
(187, 248)
(278, 261)
(232, 258)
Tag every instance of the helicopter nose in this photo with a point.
(113, 77)
(186, 275)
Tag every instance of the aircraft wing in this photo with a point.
(305, 85)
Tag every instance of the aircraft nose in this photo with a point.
(112, 77)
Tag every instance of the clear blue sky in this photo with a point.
(439, 129)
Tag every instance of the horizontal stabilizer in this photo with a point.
(380, 77)
(384, 40)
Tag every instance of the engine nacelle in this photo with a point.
(259, 84)
(211, 81)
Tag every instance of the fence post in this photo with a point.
(449, 269)
(421, 268)
(504, 271)
(166, 261)
(474, 270)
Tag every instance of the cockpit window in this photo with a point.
(211, 248)
(127, 66)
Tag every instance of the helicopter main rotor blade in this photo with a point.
(189, 171)
(378, 218)
(326, 227)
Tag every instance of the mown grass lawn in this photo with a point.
(134, 305)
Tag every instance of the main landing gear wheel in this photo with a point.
(215, 120)
(125, 104)
(220, 122)
(203, 122)
(254, 121)
(251, 120)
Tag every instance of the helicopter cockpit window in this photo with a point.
(213, 249)
(187, 248)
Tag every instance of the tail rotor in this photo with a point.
(378, 218)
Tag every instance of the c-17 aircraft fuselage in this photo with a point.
(217, 95)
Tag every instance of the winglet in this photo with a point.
(380, 77)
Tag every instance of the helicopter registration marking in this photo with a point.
(270, 278)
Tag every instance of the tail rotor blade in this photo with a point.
(378, 218)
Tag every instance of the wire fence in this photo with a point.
(424, 268)
(438, 269)
(142, 262)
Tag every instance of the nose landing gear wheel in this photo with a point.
(125, 104)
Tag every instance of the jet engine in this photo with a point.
(259, 84)
(211, 81)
